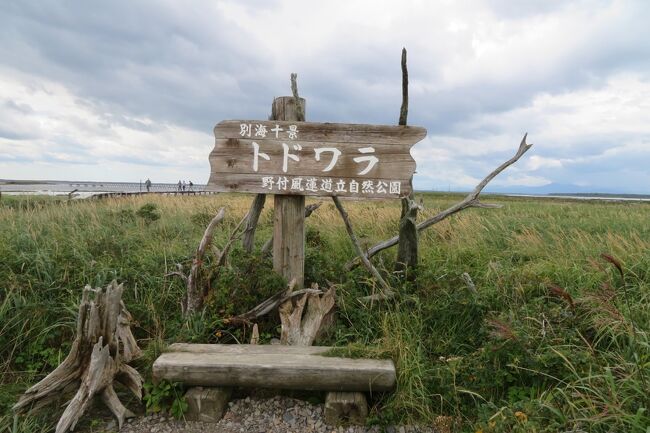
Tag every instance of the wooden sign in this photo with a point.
(305, 158)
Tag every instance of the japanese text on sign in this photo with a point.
(246, 130)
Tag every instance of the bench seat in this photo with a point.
(271, 366)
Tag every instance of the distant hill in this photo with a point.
(565, 189)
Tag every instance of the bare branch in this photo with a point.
(236, 234)
(271, 304)
(386, 291)
(404, 109)
(251, 223)
(471, 200)
(193, 298)
(407, 252)
(177, 274)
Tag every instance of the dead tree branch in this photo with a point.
(248, 241)
(404, 109)
(271, 304)
(407, 252)
(236, 234)
(193, 300)
(386, 291)
(471, 200)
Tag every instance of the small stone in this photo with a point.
(111, 425)
(206, 404)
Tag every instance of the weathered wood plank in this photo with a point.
(246, 150)
(280, 367)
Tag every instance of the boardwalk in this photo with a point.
(95, 189)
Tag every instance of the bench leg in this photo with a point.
(206, 404)
(349, 407)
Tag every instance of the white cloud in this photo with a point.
(51, 126)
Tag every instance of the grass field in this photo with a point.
(553, 338)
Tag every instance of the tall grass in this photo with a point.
(554, 338)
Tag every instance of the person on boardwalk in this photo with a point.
(190, 185)
(179, 185)
(147, 184)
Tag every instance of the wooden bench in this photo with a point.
(278, 367)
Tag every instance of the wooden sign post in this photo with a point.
(289, 214)
(294, 159)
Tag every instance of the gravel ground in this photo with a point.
(256, 415)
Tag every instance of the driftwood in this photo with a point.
(471, 200)
(386, 291)
(193, 300)
(196, 293)
(304, 317)
(270, 304)
(303, 313)
(255, 335)
(99, 355)
(248, 241)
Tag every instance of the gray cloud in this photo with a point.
(140, 70)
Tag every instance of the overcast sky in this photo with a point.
(128, 90)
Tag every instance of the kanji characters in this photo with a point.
(310, 185)
(329, 185)
(245, 129)
(367, 187)
(326, 185)
(268, 182)
(260, 130)
(292, 132)
(296, 184)
(277, 131)
(283, 182)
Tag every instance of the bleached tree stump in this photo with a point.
(303, 317)
(99, 355)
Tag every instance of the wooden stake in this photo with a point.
(289, 215)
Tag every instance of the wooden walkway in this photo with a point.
(103, 195)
